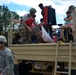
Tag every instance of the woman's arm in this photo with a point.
(68, 19)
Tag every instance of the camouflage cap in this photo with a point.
(32, 10)
(3, 39)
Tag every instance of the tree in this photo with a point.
(15, 16)
(5, 16)
(1, 21)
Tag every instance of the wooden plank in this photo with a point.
(15, 21)
(62, 72)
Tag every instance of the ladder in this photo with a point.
(69, 60)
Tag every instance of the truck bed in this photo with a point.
(43, 52)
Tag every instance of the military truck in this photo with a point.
(44, 57)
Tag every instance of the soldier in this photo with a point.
(6, 58)
(26, 28)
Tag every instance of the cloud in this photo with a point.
(4, 1)
(21, 13)
(60, 6)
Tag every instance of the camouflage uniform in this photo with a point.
(6, 62)
(25, 34)
(37, 32)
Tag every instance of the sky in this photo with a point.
(22, 7)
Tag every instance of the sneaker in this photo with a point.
(61, 40)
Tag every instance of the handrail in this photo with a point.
(10, 33)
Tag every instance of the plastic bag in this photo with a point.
(45, 36)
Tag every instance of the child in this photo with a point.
(67, 24)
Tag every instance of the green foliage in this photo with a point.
(5, 16)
